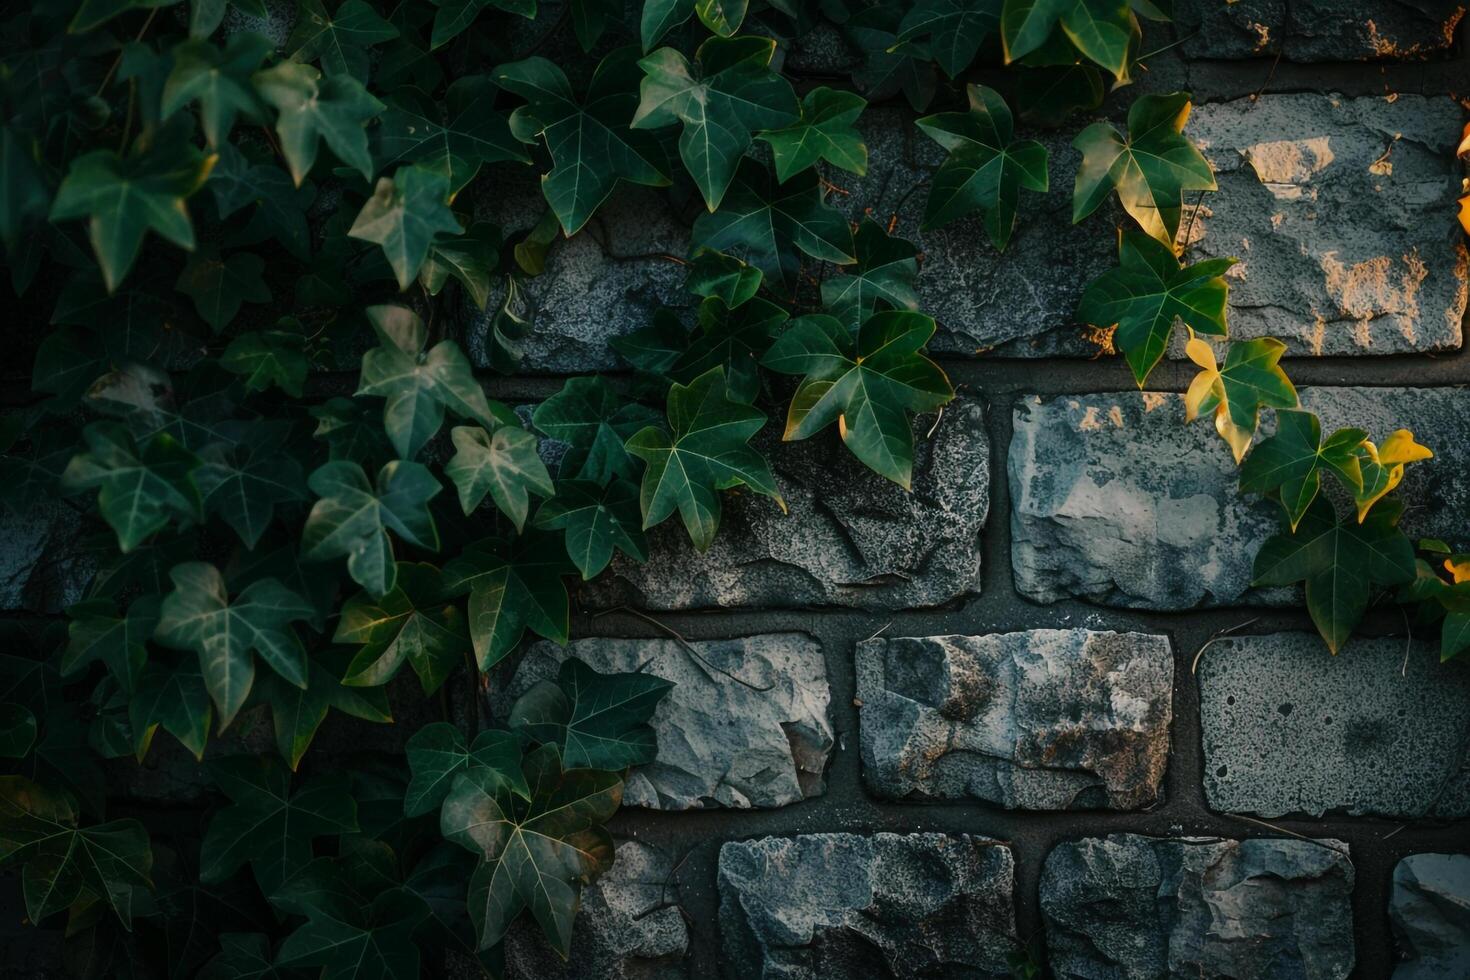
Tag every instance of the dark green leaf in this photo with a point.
(887, 269)
(340, 41)
(415, 623)
(599, 721)
(714, 273)
(219, 80)
(512, 587)
(453, 137)
(503, 463)
(825, 131)
(404, 216)
(594, 422)
(311, 109)
(219, 285)
(267, 358)
(353, 517)
(438, 752)
(138, 491)
(955, 29)
(596, 520)
(1291, 461)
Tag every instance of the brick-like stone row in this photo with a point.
(1429, 909)
(1116, 500)
(745, 725)
(1149, 909)
(1317, 30)
(826, 906)
(1267, 703)
(1045, 719)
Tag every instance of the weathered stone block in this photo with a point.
(46, 563)
(1342, 214)
(824, 906)
(745, 725)
(1318, 30)
(1429, 909)
(849, 538)
(1045, 719)
(629, 927)
(1269, 702)
(1116, 500)
(1145, 908)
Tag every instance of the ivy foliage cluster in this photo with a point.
(221, 223)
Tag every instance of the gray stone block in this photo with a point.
(1429, 909)
(629, 927)
(1043, 720)
(1145, 908)
(1115, 499)
(1267, 703)
(828, 906)
(1342, 214)
(1318, 30)
(849, 538)
(745, 725)
(46, 562)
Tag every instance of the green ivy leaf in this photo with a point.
(311, 109)
(731, 339)
(350, 432)
(590, 19)
(340, 41)
(403, 216)
(266, 358)
(594, 422)
(825, 131)
(350, 932)
(353, 517)
(454, 136)
(596, 520)
(512, 587)
(534, 854)
(220, 285)
(219, 80)
(722, 17)
(886, 270)
(1104, 31)
(437, 753)
(867, 384)
(888, 66)
(297, 712)
(1291, 462)
(23, 194)
(955, 29)
(598, 721)
(714, 273)
(1148, 292)
(415, 623)
(470, 258)
(504, 464)
(732, 94)
(175, 698)
(703, 451)
(243, 482)
(242, 956)
(139, 491)
(455, 16)
(1340, 562)
(1382, 468)
(276, 207)
(1250, 380)
(97, 631)
(1150, 169)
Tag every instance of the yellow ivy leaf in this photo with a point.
(1459, 567)
(1250, 379)
(1383, 469)
(1464, 148)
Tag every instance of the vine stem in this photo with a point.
(687, 647)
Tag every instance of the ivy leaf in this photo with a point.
(219, 286)
(887, 269)
(198, 615)
(868, 385)
(66, 863)
(277, 208)
(889, 67)
(311, 109)
(722, 17)
(534, 854)
(455, 16)
(596, 520)
(703, 452)
(139, 491)
(986, 167)
(17, 730)
(1150, 169)
(175, 698)
(340, 41)
(1339, 561)
(1383, 468)
(219, 80)
(1102, 30)
(242, 482)
(23, 194)
(353, 518)
(415, 623)
(1148, 292)
(594, 422)
(591, 17)
(437, 753)
(770, 225)
(97, 631)
(454, 136)
(598, 721)
(512, 587)
(714, 273)
(346, 426)
(1291, 461)
(469, 258)
(825, 131)
(503, 464)
(349, 932)
(733, 93)
(268, 824)
(298, 712)
(590, 143)
(653, 349)
(242, 956)
(1251, 379)
(124, 199)
(403, 216)
(266, 358)
(418, 383)
(955, 29)
(731, 339)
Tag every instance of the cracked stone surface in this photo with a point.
(850, 537)
(1044, 720)
(1429, 909)
(629, 927)
(1318, 30)
(1268, 702)
(822, 906)
(46, 562)
(1143, 908)
(1341, 211)
(745, 726)
(1115, 499)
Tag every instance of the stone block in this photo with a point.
(1429, 909)
(1318, 30)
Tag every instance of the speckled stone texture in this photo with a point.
(1043, 720)
(1318, 30)
(1142, 908)
(629, 927)
(1288, 729)
(1342, 214)
(45, 563)
(830, 906)
(745, 725)
(849, 538)
(1429, 908)
(1115, 499)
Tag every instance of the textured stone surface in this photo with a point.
(825, 906)
(1318, 30)
(1116, 500)
(1045, 719)
(1342, 213)
(1430, 912)
(1145, 908)
(45, 563)
(1269, 702)
(629, 927)
(745, 725)
(850, 537)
